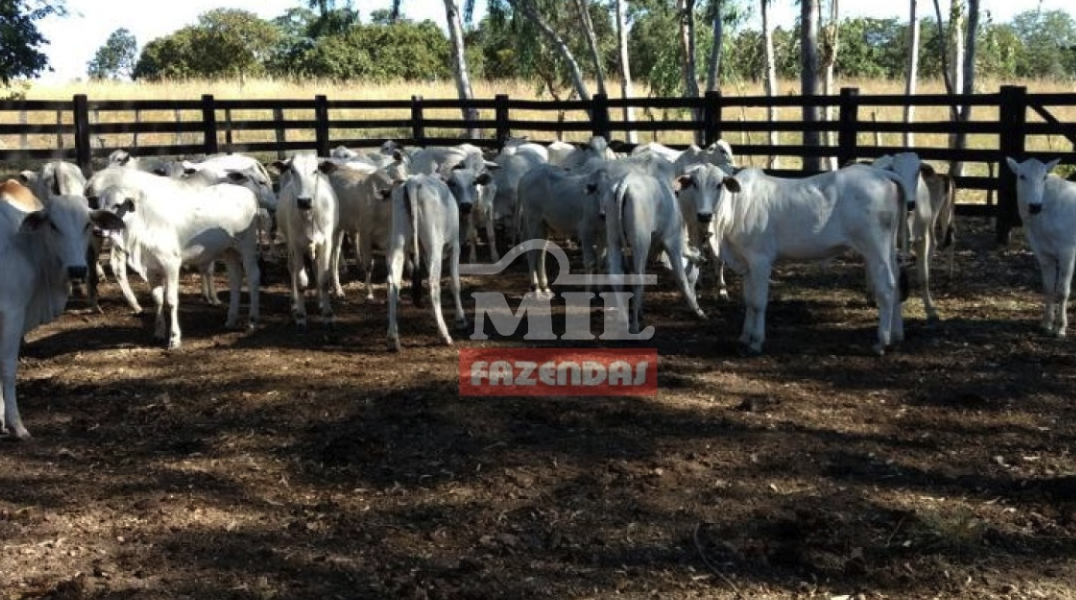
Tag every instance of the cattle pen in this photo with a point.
(1009, 122)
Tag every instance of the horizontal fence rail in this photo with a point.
(86, 131)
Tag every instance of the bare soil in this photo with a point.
(281, 464)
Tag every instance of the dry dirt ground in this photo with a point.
(281, 464)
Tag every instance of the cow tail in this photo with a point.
(946, 215)
(903, 241)
(411, 205)
(621, 191)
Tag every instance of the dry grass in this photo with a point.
(271, 89)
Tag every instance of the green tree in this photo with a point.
(379, 53)
(115, 59)
(20, 40)
(225, 43)
(1048, 38)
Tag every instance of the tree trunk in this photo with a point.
(956, 26)
(830, 44)
(944, 56)
(592, 42)
(626, 90)
(967, 88)
(528, 9)
(713, 69)
(912, 74)
(686, 11)
(459, 63)
(809, 18)
(771, 77)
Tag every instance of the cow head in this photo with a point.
(702, 188)
(466, 185)
(304, 174)
(65, 227)
(1031, 176)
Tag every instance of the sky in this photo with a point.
(75, 38)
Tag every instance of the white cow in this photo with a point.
(1047, 205)
(307, 217)
(858, 207)
(641, 215)
(425, 222)
(366, 215)
(512, 165)
(553, 200)
(701, 188)
(169, 225)
(42, 248)
(61, 178)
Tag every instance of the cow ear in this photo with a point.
(326, 166)
(128, 205)
(685, 181)
(731, 184)
(1053, 163)
(384, 193)
(927, 170)
(1013, 165)
(27, 176)
(34, 221)
(236, 177)
(106, 220)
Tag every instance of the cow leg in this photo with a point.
(160, 327)
(924, 248)
(297, 270)
(235, 283)
(640, 255)
(253, 271)
(117, 261)
(454, 273)
(334, 263)
(1049, 269)
(491, 236)
(171, 302)
(472, 236)
(883, 276)
(434, 279)
(756, 289)
(93, 278)
(364, 248)
(323, 261)
(10, 338)
(1064, 286)
(396, 263)
(209, 289)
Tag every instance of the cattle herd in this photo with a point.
(654, 208)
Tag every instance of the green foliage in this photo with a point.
(1049, 44)
(379, 53)
(116, 59)
(20, 40)
(224, 43)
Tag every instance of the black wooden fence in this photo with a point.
(69, 128)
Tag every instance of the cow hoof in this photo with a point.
(723, 296)
(19, 435)
(394, 346)
(879, 349)
(701, 314)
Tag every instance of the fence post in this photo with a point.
(418, 126)
(1012, 116)
(228, 130)
(847, 126)
(711, 118)
(600, 116)
(209, 124)
(281, 133)
(321, 127)
(501, 117)
(81, 117)
(59, 133)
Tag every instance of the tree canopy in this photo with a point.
(116, 59)
(20, 40)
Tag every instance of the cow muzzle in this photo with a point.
(465, 209)
(94, 202)
(77, 273)
(304, 203)
(1034, 208)
(911, 205)
(705, 218)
